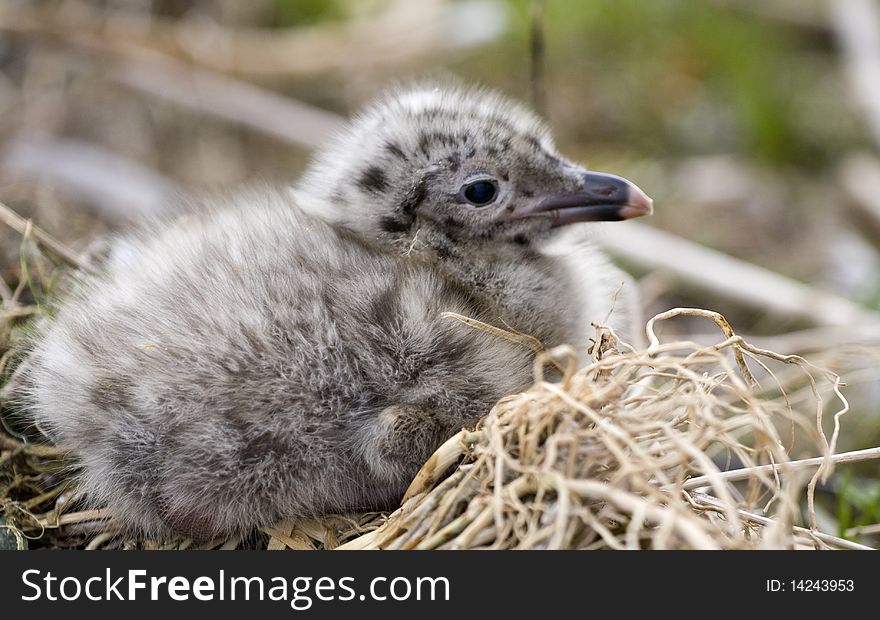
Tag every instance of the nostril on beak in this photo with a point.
(610, 188)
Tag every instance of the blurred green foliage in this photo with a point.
(287, 13)
(662, 77)
(673, 77)
(858, 504)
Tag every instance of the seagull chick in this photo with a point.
(290, 353)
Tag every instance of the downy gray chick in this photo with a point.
(284, 353)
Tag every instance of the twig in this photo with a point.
(524, 339)
(761, 520)
(712, 316)
(76, 517)
(442, 458)
(33, 449)
(629, 502)
(45, 497)
(20, 224)
(368, 540)
(290, 538)
(748, 472)
(18, 312)
(101, 538)
(5, 292)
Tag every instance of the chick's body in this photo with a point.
(258, 360)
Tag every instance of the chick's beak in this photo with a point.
(601, 198)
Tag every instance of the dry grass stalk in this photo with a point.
(28, 230)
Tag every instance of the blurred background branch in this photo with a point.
(857, 25)
(538, 55)
(400, 34)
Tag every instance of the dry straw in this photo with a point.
(630, 453)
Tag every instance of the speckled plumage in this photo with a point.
(282, 353)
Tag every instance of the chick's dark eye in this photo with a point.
(480, 193)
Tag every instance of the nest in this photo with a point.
(677, 445)
(635, 451)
